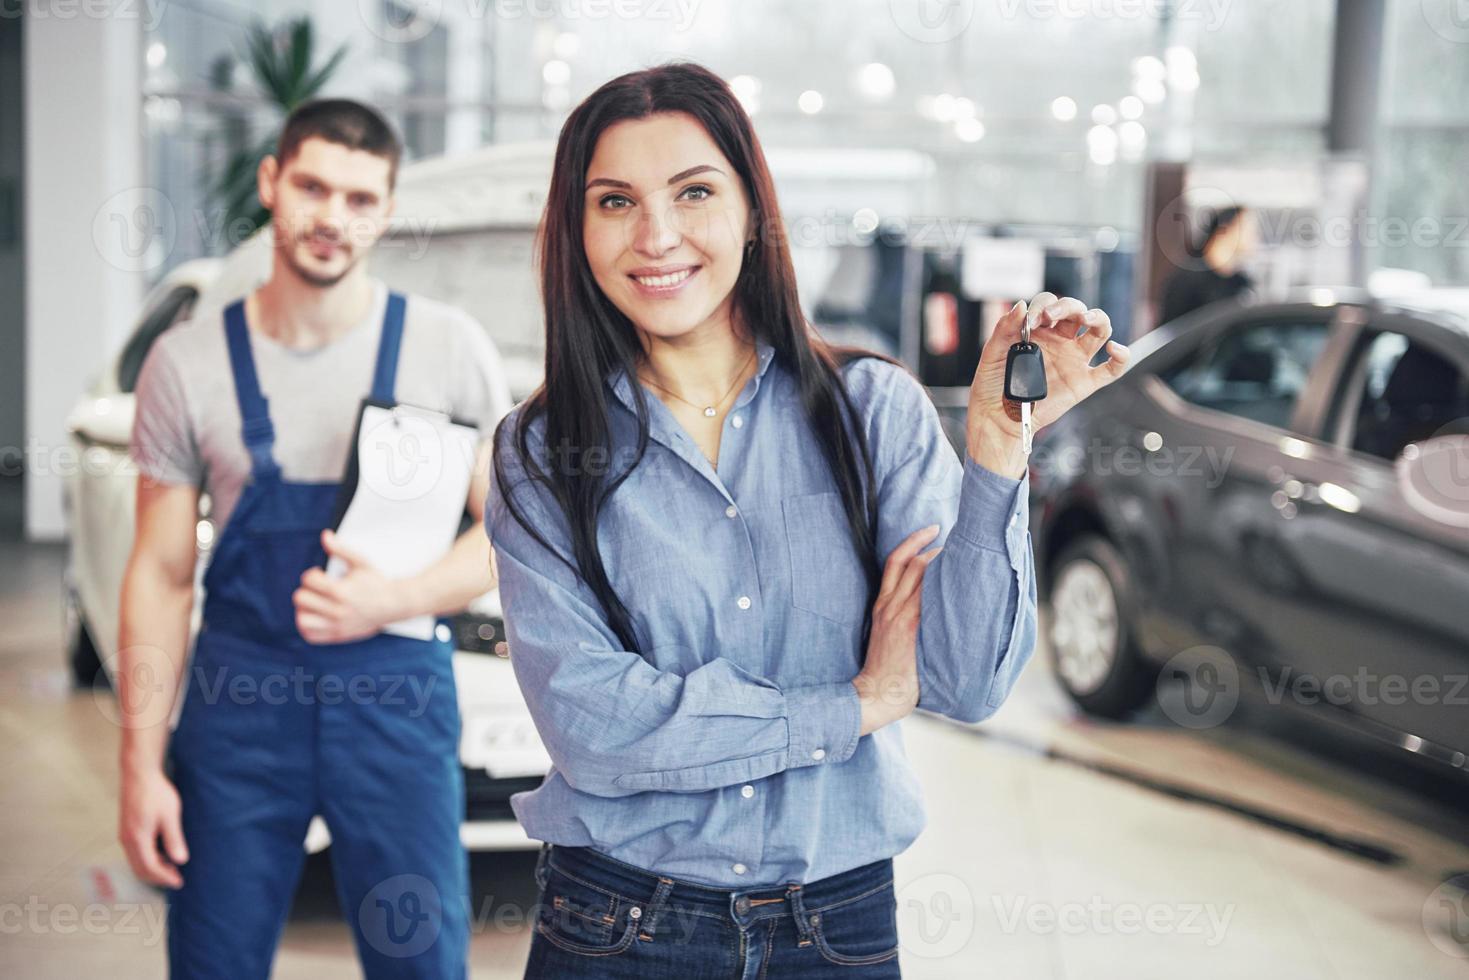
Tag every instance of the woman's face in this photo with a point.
(666, 219)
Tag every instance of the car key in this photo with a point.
(1025, 380)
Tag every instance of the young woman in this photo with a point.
(708, 526)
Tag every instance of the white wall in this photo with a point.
(88, 223)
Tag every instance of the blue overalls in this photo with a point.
(275, 730)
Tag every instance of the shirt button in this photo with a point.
(819, 754)
(744, 602)
(736, 421)
(731, 511)
(739, 869)
(747, 791)
(1013, 518)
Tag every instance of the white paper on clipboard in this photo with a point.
(413, 472)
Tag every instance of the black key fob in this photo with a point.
(1025, 373)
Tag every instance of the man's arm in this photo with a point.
(464, 574)
(365, 600)
(157, 599)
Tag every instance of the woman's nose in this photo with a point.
(657, 233)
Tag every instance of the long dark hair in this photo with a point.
(587, 336)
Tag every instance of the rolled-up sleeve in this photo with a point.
(614, 724)
(978, 625)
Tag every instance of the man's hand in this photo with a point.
(150, 810)
(888, 683)
(353, 607)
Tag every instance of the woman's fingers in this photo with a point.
(1098, 332)
(911, 581)
(900, 557)
(1061, 311)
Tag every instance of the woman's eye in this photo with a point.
(697, 192)
(614, 202)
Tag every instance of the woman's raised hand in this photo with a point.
(888, 683)
(1069, 335)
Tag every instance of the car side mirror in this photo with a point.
(1433, 476)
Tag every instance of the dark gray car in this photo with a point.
(1274, 500)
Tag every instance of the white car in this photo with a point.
(463, 234)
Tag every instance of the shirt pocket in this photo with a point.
(826, 577)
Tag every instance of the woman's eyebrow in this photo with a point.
(681, 175)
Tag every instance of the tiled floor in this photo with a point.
(1056, 847)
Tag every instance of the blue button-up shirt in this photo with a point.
(725, 750)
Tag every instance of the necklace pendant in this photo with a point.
(709, 411)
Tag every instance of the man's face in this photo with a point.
(329, 205)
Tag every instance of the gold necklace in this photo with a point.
(709, 410)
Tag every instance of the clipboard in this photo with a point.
(404, 493)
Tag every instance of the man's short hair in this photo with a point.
(345, 122)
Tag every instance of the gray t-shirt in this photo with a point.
(186, 429)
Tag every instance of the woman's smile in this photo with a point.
(664, 282)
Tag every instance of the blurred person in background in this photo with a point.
(717, 601)
(297, 701)
(1228, 241)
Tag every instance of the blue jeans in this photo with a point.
(598, 917)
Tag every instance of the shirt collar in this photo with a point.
(622, 387)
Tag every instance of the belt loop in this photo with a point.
(541, 874)
(655, 906)
(804, 931)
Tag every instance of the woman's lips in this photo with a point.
(666, 284)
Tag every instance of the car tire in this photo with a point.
(1092, 630)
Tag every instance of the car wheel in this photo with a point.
(86, 663)
(1092, 630)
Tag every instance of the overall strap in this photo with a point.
(387, 349)
(259, 434)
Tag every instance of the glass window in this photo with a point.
(1403, 392)
(1255, 371)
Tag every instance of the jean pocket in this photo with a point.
(827, 579)
(860, 932)
(578, 918)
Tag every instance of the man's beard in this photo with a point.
(315, 278)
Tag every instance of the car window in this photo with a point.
(1255, 371)
(1399, 391)
(174, 307)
